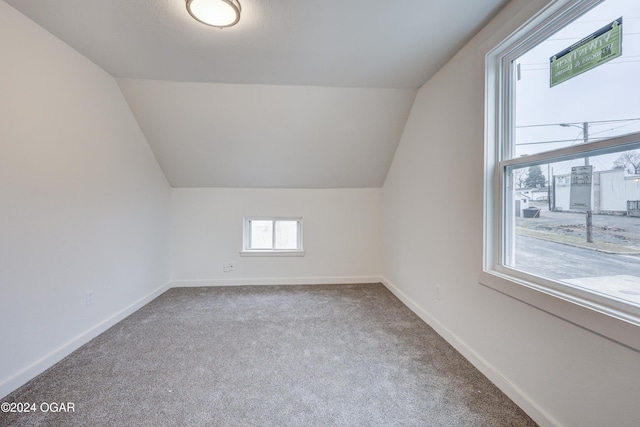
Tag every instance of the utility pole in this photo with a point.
(585, 135)
(549, 185)
(585, 139)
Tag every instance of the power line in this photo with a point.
(613, 128)
(547, 69)
(608, 63)
(626, 18)
(524, 64)
(591, 138)
(558, 141)
(578, 123)
(578, 38)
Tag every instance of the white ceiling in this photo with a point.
(298, 94)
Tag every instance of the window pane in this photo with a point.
(588, 107)
(261, 235)
(286, 234)
(547, 224)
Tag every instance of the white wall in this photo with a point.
(84, 205)
(342, 235)
(560, 373)
(269, 136)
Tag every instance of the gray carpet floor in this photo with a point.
(334, 355)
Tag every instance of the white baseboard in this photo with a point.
(320, 280)
(513, 392)
(35, 369)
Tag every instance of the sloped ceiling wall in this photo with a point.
(225, 135)
(298, 94)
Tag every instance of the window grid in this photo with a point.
(499, 183)
(275, 244)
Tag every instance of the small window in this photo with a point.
(563, 137)
(272, 236)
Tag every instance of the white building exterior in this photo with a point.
(611, 193)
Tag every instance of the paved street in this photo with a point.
(551, 259)
(612, 274)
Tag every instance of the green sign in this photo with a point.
(593, 50)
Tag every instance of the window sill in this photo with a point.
(619, 327)
(273, 253)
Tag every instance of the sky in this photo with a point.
(607, 97)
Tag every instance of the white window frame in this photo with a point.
(246, 238)
(612, 319)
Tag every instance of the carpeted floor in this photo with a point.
(334, 355)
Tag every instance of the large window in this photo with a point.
(272, 236)
(563, 158)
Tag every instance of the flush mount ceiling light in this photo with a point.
(216, 13)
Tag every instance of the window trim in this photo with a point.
(246, 238)
(615, 320)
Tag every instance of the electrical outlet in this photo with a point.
(90, 299)
(227, 267)
(438, 293)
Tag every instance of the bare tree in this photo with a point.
(629, 160)
(519, 177)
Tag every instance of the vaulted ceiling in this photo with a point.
(299, 94)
